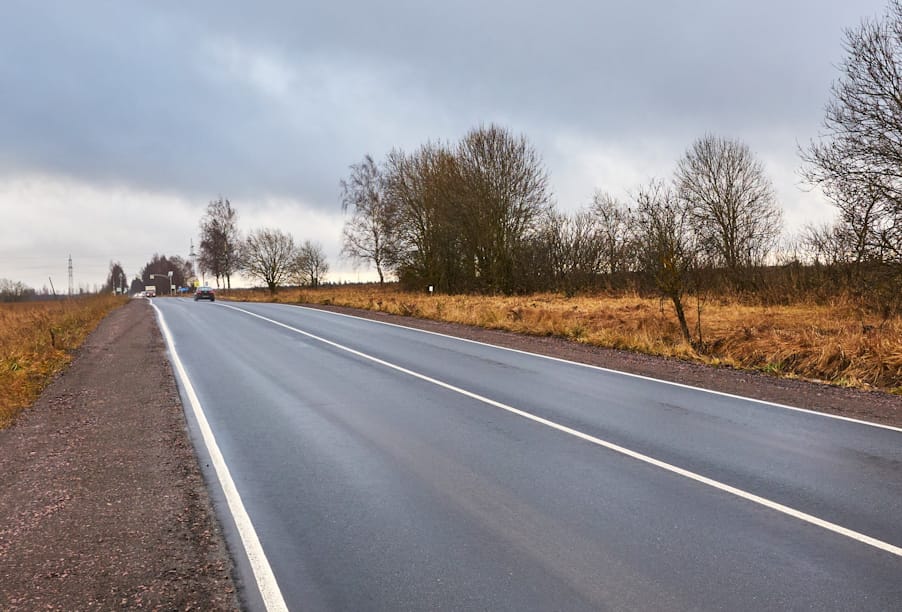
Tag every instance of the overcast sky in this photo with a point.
(120, 120)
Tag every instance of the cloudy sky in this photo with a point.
(120, 120)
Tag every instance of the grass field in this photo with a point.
(838, 343)
(37, 340)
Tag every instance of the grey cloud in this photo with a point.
(143, 94)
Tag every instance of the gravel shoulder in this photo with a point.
(874, 406)
(102, 502)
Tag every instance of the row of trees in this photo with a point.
(15, 291)
(268, 255)
(275, 258)
(478, 216)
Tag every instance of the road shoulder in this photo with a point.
(102, 502)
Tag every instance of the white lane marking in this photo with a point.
(263, 574)
(808, 518)
(608, 370)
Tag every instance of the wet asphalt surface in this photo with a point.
(373, 489)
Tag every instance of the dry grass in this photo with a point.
(839, 343)
(36, 342)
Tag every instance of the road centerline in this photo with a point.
(746, 495)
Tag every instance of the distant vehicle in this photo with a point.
(150, 291)
(204, 293)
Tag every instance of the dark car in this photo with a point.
(204, 293)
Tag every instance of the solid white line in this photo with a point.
(609, 370)
(808, 518)
(263, 574)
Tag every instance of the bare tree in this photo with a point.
(269, 255)
(14, 291)
(220, 241)
(666, 245)
(504, 195)
(310, 265)
(465, 218)
(614, 233)
(572, 248)
(731, 201)
(858, 159)
(367, 236)
(428, 247)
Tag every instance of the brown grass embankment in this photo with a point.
(37, 340)
(840, 342)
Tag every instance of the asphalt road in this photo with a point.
(384, 468)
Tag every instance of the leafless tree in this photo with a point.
(613, 220)
(827, 243)
(14, 291)
(310, 264)
(269, 255)
(503, 197)
(666, 244)
(858, 159)
(220, 241)
(731, 200)
(368, 235)
(428, 247)
(572, 247)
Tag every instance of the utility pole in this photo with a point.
(193, 257)
(71, 277)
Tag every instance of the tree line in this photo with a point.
(478, 215)
(15, 291)
(269, 255)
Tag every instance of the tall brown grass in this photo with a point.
(837, 342)
(37, 340)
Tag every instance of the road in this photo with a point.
(385, 468)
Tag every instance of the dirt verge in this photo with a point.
(102, 503)
(874, 406)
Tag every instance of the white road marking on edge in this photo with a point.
(266, 580)
(808, 518)
(609, 370)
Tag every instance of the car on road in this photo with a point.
(204, 293)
